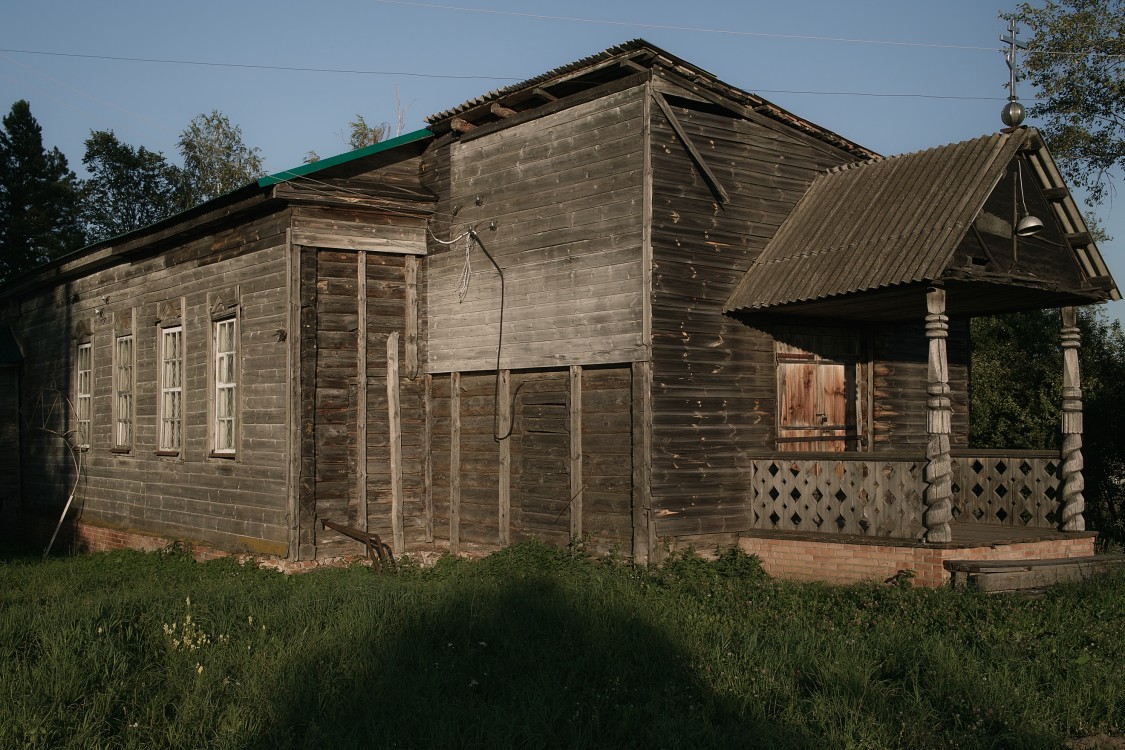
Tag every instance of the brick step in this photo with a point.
(1016, 575)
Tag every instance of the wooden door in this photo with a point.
(817, 400)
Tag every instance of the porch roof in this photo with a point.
(870, 232)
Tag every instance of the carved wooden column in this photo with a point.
(938, 493)
(1073, 504)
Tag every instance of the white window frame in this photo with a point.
(84, 393)
(224, 389)
(170, 407)
(124, 391)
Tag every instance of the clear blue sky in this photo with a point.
(426, 51)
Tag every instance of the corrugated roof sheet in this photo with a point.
(877, 224)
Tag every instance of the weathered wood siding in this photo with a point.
(335, 417)
(357, 229)
(479, 468)
(900, 355)
(347, 491)
(467, 470)
(607, 461)
(232, 503)
(565, 193)
(9, 441)
(541, 457)
(714, 382)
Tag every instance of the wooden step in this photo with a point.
(1016, 575)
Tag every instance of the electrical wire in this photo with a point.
(252, 66)
(496, 436)
(796, 92)
(727, 32)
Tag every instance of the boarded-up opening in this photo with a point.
(818, 398)
(541, 458)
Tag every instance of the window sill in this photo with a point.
(121, 451)
(167, 454)
(227, 456)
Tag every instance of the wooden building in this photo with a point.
(621, 302)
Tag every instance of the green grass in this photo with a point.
(533, 648)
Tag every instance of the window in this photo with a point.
(171, 389)
(225, 406)
(123, 392)
(818, 401)
(83, 393)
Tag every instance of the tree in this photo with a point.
(128, 187)
(360, 135)
(216, 160)
(1017, 397)
(1077, 61)
(38, 197)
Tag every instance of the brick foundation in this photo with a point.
(91, 538)
(800, 557)
(804, 559)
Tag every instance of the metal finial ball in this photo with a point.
(1013, 114)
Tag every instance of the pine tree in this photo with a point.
(38, 197)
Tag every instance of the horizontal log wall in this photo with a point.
(900, 358)
(541, 495)
(607, 461)
(346, 492)
(565, 193)
(714, 383)
(234, 504)
(335, 400)
(356, 229)
(386, 312)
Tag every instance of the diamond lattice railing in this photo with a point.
(1016, 489)
(872, 497)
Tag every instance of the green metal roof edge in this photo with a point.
(306, 169)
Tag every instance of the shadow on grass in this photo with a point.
(509, 664)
